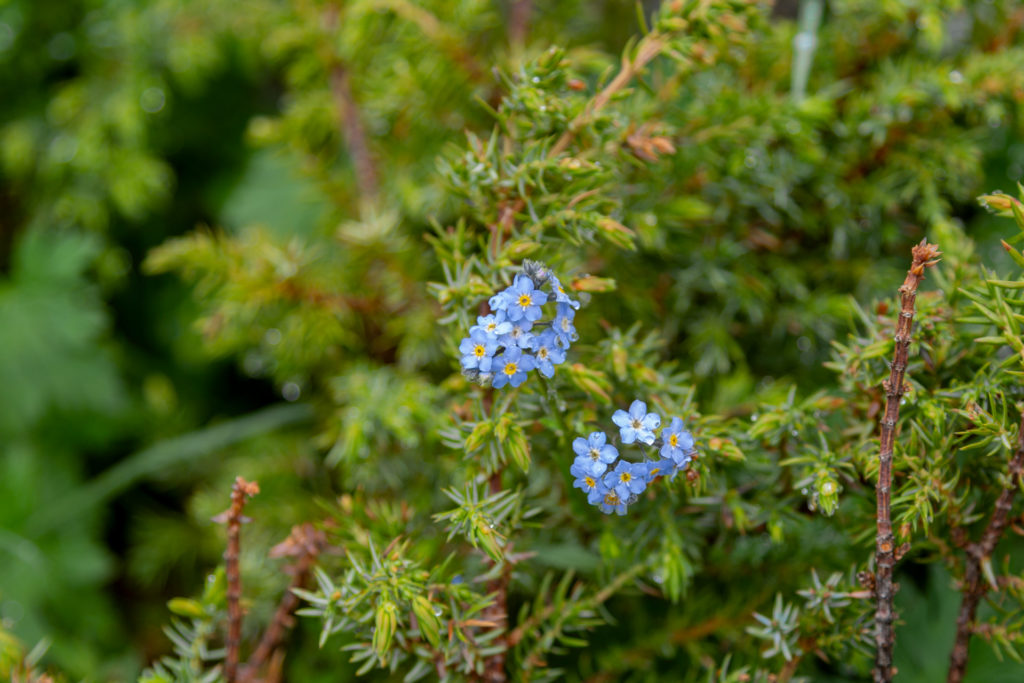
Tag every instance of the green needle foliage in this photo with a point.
(726, 245)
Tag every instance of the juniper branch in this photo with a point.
(978, 554)
(924, 255)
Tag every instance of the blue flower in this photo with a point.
(518, 337)
(627, 479)
(494, 325)
(511, 367)
(547, 351)
(563, 325)
(524, 300)
(678, 443)
(500, 301)
(660, 468)
(637, 424)
(612, 503)
(560, 295)
(478, 350)
(595, 451)
(588, 482)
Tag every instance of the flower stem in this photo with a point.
(924, 255)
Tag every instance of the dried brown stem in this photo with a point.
(519, 22)
(974, 584)
(233, 518)
(351, 119)
(924, 255)
(355, 134)
(648, 48)
(305, 543)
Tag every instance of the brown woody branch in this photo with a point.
(924, 255)
(352, 128)
(233, 518)
(305, 543)
(519, 22)
(978, 554)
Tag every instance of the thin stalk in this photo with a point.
(305, 544)
(924, 255)
(351, 120)
(978, 558)
(233, 518)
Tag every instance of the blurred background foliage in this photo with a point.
(287, 160)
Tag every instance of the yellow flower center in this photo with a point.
(589, 481)
(625, 477)
(542, 353)
(511, 369)
(637, 424)
(479, 351)
(491, 327)
(524, 300)
(655, 471)
(611, 498)
(673, 440)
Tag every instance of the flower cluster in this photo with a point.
(513, 339)
(612, 483)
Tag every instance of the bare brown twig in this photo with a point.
(978, 554)
(305, 544)
(351, 118)
(233, 518)
(924, 255)
(519, 22)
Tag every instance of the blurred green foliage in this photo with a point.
(341, 186)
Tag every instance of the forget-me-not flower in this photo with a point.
(511, 367)
(588, 482)
(524, 300)
(613, 503)
(478, 350)
(596, 451)
(500, 301)
(660, 468)
(547, 352)
(519, 336)
(627, 479)
(494, 325)
(563, 325)
(560, 295)
(637, 424)
(678, 442)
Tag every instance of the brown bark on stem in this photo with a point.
(519, 22)
(352, 128)
(924, 255)
(233, 518)
(974, 585)
(305, 543)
